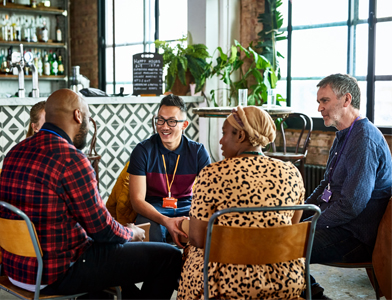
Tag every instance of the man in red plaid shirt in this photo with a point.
(84, 248)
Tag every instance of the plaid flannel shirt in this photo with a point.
(54, 184)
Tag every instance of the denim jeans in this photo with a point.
(158, 233)
(101, 266)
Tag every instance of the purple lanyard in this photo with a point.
(341, 150)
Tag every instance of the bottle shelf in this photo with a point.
(12, 7)
(33, 45)
(29, 77)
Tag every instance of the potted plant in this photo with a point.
(185, 65)
(255, 78)
(272, 21)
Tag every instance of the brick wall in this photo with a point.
(84, 38)
(320, 143)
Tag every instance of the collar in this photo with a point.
(164, 150)
(342, 133)
(58, 130)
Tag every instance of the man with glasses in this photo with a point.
(162, 171)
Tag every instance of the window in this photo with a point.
(336, 36)
(131, 27)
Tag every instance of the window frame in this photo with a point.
(370, 79)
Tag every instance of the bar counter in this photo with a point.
(122, 123)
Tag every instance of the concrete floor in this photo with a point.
(339, 284)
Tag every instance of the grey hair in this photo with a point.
(341, 84)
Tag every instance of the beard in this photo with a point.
(80, 140)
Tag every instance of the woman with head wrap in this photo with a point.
(245, 178)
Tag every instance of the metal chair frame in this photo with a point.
(38, 254)
(309, 240)
(297, 156)
(92, 154)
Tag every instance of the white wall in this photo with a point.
(213, 23)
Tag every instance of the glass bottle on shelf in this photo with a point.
(33, 32)
(61, 66)
(9, 30)
(44, 32)
(33, 3)
(59, 35)
(54, 70)
(26, 30)
(47, 65)
(18, 30)
(3, 61)
(39, 64)
(3, 30)
(38, 30)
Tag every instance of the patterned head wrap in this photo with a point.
(256, 122)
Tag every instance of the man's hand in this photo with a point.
(173, 225)
(138, 233)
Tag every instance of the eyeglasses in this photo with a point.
(171, 123)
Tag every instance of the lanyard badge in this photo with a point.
(169, 202)
(327, 193)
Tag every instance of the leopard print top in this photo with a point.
(244, 182)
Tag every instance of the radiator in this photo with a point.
(313, 176)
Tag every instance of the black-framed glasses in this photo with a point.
(170, 123)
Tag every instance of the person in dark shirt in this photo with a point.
(84, 249)
(357, 182)
(163, 167)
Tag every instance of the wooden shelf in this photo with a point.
(43, 77)
(33, 45)
(12, 7)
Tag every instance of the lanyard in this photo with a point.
(51, 131)
(340, 153)
(174, 174)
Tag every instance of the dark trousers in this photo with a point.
(157, 265)
(337, 245)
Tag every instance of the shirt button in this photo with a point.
(327, 226)
(336, 153)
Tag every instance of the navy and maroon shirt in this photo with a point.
(146, 160)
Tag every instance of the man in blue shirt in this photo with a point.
(357, 183)
(162, 171)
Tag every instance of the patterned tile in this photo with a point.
(120, 128)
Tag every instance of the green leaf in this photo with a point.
(233, 55)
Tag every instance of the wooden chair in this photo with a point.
(92, 154)
(20, 238)
(299, 154)
(379, 269)
(256, 246)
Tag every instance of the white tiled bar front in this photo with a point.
(122, 123)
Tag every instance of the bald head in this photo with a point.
(61, 104)
(67, 110)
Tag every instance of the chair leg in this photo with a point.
(374, 282)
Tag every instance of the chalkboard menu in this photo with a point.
(147, 74)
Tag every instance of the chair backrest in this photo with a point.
(238, 245)
(306, 125)
(382, 253)
(19, 237)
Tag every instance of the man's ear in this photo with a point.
(185, 125)
(347, 100)
(78, 116)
